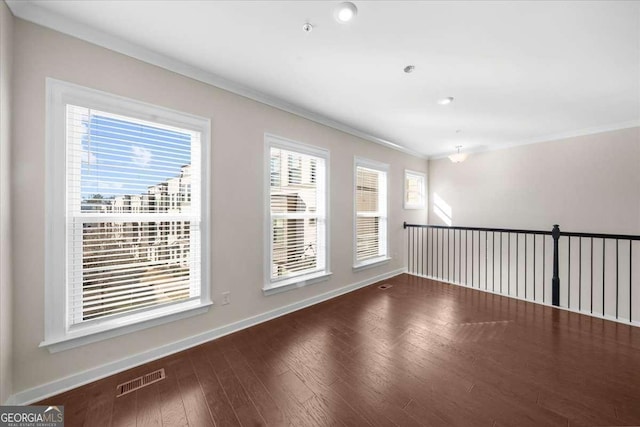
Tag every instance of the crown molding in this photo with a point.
(27, 10)
(548, 138)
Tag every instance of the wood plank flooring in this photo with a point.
(421, 353)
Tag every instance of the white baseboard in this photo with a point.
(61, 385)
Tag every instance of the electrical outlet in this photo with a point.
(226, 298)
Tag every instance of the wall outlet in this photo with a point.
(226, 298)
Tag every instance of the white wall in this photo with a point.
(584, 184)
(6, 371)
(238, 127)
(587, 183)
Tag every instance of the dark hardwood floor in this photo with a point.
(418, 353)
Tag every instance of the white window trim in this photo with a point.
(272, 286)
(58, 335)
(422, 205)
(382, 259)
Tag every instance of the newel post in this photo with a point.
(555, 281)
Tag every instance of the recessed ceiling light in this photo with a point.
(345, 12)
(409, 69)
(445, 101)
(307, 28)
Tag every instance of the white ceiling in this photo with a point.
(519, 71)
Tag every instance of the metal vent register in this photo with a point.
(138, 383)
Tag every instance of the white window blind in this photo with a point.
(297, 206)
(414, 190)
(133, 214)
(371, 212)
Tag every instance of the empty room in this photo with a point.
(318, 213)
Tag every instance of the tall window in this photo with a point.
(276, 167)
(127, 204)
(297, 213)
(370, 212)
(294, 168)
(414, 190)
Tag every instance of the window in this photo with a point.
(296, 214)
(275, 170)
(370, 229)
(126, 246)
(414, 190)
(312, 171)
(294, 171)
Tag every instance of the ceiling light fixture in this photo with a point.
(445, 101)
(409, 69)
(458, 157)
(345, 12)
(307, 28)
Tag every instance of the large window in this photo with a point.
(370, 242)
(297, 213)
(414, 190)
(127, 209)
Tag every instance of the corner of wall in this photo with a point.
(428, 190)
(6, 279)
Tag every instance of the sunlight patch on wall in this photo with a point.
(442, 209)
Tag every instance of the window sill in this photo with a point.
(371, 263)
(295, 282)
(116, 327)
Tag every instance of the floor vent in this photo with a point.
(138, 383)
(385, 286)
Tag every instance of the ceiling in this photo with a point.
(520, 72)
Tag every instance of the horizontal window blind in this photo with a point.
(367, 234)
(371, 213)
(133, 214)
(298, 213)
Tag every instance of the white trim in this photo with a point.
(76, 380)
(177, 312)
(296, 282)
(273, 286)
(422, 175)
(31, 12)
(54, 224)
(370, 263)
(105, 101)
(371, 164)
(547, 138)
(60, 333)
(381, 167)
